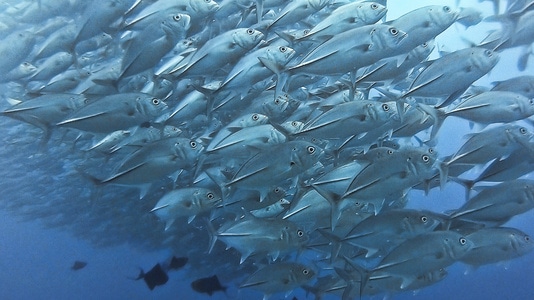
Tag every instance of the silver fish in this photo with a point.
(422, 254)
(185, 202)
(492, 245)
(279, 277)
(251, 235)
(115, 112)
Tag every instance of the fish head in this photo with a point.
(520, 242)
(442, 16)
(187, 150)
(386, 37)
(456, 245)
(207, 198)
(176, 23)
(483, 59)
(280, 54)
(247, 38)
(292, 127)
(150, 106)
(275, 106)
(303, 273)
(253, 119)
(171, 131)
(370, 12)
(423, 51)
(204, 7)
(304, 155)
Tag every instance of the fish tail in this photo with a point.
(212, 233)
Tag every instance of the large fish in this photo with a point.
(219, 51)
(422, 254)
(449, 76)
(251, 235)
(279, 277)
(115, 112)
(185, 202)
(497, 204)
(273, 166)
(492, 245)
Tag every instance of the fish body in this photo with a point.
(115, 112)
(279, 277)
(492, 245)
(185, 202)
(251, 235)
(422, 254)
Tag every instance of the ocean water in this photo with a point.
(49, 218)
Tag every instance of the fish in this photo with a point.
(155, 277)
(208, 285)
(78, 265)
(346, 17)
(161, 35)
(497, 204)
(185, 202)
(492, 245)
(115, 112)
(292, 158)
(252, 235)
(177, 263)
(422, 254)
(450, 75)
(217, 52)
(279, 277)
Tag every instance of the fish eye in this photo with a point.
(300, 233)
(374, 6)
(424, 45)
(294, 124)
(430, 150)
(210, 196)
(463, 241)
(446, 9)
(394, 31)
(424, 219)
(390, 151)
(277, 190)
(193, 144)
(305, 272)
(283, 49)
(155, 101)
(311, 149)
(488, 53)
(250, 31)
(207, 1)
(255, 117)
(425, 158)
(385, 107)
(523, 130)
(527, 238)
(276, 101)
(306, 31)
(177, 17)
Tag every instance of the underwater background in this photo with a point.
(50, 217)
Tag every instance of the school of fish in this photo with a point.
(275, 144)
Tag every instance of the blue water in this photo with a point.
(39, 243)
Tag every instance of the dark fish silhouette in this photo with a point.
(78, 265)
(177, 263)
(208, 285)
(156, 276)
